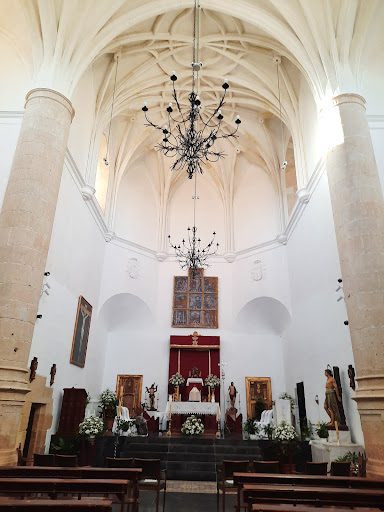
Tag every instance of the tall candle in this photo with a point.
(218, 413)
(337, 432)
(170, 410)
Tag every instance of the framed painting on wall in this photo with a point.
(80, 336)
(195, 301)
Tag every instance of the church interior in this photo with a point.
(191, 254)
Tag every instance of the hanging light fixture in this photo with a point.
(283, 166)
(105, 159)
(190, 253)
(189, 138)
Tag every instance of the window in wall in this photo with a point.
(102, 175)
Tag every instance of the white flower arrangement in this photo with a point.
(212, 381)
(128, 428)
(284, 433)
(176, 380)
(192, 426)
(91, 426)
(108, 397)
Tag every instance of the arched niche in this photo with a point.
(263, 315)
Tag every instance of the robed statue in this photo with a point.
(232, 395)
(332, 396)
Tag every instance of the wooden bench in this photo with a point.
(283, 507)
(88, 473)
(84, 505)
(314, 496)
(55, 486)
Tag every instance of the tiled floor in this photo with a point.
(193, 501)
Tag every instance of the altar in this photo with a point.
(189, 408)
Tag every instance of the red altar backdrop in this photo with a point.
(185, 352)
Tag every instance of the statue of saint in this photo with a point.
(151, 395)
(351, 375)
(195, 372)
(331, 397)
(232, 395)
(53, 373)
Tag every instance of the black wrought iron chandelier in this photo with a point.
(190, 253)
(189, 138)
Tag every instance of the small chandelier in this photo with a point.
(190, 254)
(189, 138)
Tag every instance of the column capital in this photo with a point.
(348, 98)
(50, 94)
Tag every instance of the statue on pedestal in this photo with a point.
(332, 396)
(232, 395)
(151, 395)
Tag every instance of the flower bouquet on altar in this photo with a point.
(91, 427)
(192, 426)
(108, 404)
(286, 437)
(127, 428)
(176, 380)
(212, 382)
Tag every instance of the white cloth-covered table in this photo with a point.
(195, 380)
(190, 408)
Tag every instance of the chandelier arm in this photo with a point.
(221, 104)
(177, 103)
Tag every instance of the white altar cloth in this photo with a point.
(190, 408)
(195, 380)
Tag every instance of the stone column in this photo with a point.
(358, 212)
(26, 222)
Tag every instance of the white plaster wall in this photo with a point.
(141, 346)
(309, 126)
(317, 335)
(75, 262)
(376, 126)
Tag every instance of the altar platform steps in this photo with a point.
(190, 459)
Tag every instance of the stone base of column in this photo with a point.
(13, 388)
(370, 401)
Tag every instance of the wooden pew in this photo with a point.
(314, 496)
(88, 473)
(283, 507)
(43, 505)
(241, 479)
(55, 486)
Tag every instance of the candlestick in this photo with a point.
(337, 433)
(218, 413)
(170, 410)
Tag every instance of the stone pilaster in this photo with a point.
(26, 222)
(358, 212)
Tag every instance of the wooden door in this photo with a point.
(131, 385)
(258, 388)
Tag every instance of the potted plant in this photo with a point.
(212, 382)
(127, 428)
(176, 381)
(252, 428)
(65, 447)
(306, 429)
(286, 437)
(322, 432)
(108, 403)
(268, 431)
(353, 458)
(192, 426)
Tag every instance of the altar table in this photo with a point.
(211, 408)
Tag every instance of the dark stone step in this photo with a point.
(202, 476)
(191, 466)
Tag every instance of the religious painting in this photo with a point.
(195, 301)
(80, 335)
(196, 281)
(180, 301)
(180, 318)
(210, 301)
(195, 318)
(210, 319)
(210, 285)
(181, 284)
(258, 390)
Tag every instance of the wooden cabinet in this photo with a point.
(72, 411)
